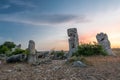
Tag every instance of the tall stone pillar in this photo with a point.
(102, 39)
(32, 52)
(73, 41)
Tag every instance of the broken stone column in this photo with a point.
(73, 41)
(32, 58)
(102, 39)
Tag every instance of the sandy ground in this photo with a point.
(102, 68)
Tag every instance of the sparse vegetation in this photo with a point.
(18, 51)
(80, 58)
(58, 54)
(6, 48)
(90, 49)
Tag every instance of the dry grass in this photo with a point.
(103, 68)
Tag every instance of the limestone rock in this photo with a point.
(102, 39)
(73, 41)
(78, 64)
(32, 57)
(16, 58)
(31, 47)
(56, 68)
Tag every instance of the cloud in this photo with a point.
(22, 3)
(5, 6)
(45, 19)
(14, 6)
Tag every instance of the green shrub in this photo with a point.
(89, 49)
(58, 53)
(79, 58)
(19, 51)
(6, 47)
(3, 49)
(73, 58)
(61, 53)
(9, 45)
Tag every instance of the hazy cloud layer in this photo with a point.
(45, 19)
(14, 6)
(34, 12)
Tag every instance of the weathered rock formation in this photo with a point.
(73, 41)
(32, 57)
(102, 39)
(16, 58)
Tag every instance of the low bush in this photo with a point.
(7, 46)
(18, 51)
(58, 54)
(90, 49)
(79, 58)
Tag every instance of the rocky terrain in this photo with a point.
(101, 68)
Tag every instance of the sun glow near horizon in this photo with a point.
(46, 22)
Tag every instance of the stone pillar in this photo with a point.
(32, 52)
(102, 39)
(73, 41)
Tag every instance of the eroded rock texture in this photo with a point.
(73, 41)
(16, 58)
(102, 39)
(32, 58)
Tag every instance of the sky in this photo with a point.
(46, 21)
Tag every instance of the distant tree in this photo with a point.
(6, 48)
(9, 45)
(3, 49)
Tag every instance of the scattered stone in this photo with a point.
(56, 68)
(73, 41)
(78, 64)
(37, 70)
(8, 71)
(44, 61)
(102, 39)
(16, 58)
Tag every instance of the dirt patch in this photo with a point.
(103, 68)
(58, 70)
